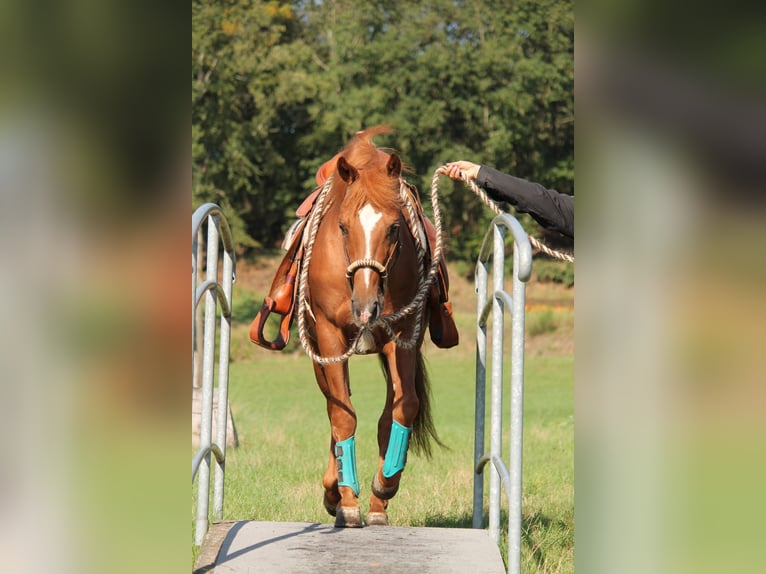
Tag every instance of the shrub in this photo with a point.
(540, 322)
(555, 272)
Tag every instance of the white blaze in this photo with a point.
(369, 218)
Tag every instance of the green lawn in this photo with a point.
(281, 419)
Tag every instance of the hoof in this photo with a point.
(348, 517)
(328, 506)
(376, 519)
(383, 492)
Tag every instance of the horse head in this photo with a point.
(370, 224)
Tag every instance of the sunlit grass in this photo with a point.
(280, 415)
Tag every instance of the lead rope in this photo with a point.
(496, 209)
(424, 283)
(308, 241)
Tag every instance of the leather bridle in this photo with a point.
(368, 263)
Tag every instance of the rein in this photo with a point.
(385, 322)
(424, 281)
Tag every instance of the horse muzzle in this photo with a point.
(367, 296)
(367, 313)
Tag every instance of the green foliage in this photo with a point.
(245, 304)
(555, 272)
(278, 88)
(540, 322)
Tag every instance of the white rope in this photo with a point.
(424, 283)
(308, 242)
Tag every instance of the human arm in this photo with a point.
(551, 209)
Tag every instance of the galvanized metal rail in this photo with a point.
(216, 292)
(495, 304)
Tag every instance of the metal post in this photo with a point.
(481, 393)
(206, 430)
(223, 386)
(517, 415)
(195, 263)
(213, 292)
(496, 400)
(511, 480)
(197, 328)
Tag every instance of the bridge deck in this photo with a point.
(289, 547)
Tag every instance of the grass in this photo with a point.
(280, 415)
(275, 474)
(540, 322)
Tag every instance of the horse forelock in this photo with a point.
(374, 185)
(362, 153)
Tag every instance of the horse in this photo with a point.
(365, 267)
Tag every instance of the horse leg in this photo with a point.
(377, 515)
(340, 479)
(394, 429)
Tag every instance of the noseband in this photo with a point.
(374, 264)
(368, 263)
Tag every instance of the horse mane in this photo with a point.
(374, 185)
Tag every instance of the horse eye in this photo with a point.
(393, 231)
(343, 229)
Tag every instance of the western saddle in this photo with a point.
(283, 293)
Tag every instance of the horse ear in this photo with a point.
(394, 166)
(347, 171)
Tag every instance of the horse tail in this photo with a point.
(423, 429)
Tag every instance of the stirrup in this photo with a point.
(256, 327)
(282, 304)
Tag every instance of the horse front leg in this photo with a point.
(340, 482)
(394, 429)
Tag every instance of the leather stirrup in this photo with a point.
(283, 304)
(256, 327)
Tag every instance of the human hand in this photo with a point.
(462, 169)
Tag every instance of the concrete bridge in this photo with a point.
(292, 547)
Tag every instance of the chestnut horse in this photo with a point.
(364, 267)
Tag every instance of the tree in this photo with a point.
(457, 79)
(247, 97)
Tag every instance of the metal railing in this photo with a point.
(493, 247)
(215, 293)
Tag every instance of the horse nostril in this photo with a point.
(374, 311)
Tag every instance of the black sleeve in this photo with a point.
(551, 209)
